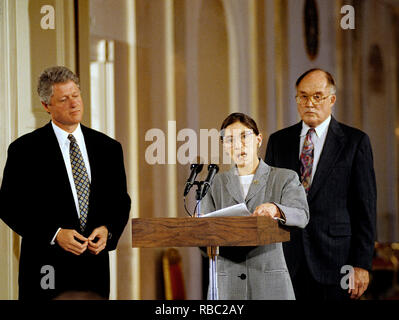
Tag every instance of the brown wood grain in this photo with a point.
(198, 232)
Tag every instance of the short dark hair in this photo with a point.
(329, 77)
(51, 76)
(239, 117)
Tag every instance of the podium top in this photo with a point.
(206, 232)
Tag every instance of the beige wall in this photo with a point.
(103, 14)
(194, 62)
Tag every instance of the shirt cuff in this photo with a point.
(282, 219)
(55, 236)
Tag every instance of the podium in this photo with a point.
(207, 232)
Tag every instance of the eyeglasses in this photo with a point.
(245, 138)
(315, 99)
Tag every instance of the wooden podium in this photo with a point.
(207, 232)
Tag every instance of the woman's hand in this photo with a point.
(268, 210)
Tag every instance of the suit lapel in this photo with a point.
(332, 148)
(294, 148)
(53, 151)
(91, 152)
(234, 185)
(259, 181)
(93, 148)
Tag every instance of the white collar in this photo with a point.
(62, 135)
(320, 129)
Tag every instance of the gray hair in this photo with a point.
(51, 76)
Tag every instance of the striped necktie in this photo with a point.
(307, 160)
(81, 180)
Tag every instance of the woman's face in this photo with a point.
(241, 144)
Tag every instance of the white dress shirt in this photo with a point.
(318, 138)
(64, 142)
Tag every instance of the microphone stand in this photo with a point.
(212, 251)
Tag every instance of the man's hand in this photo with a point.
(98, 240)
(361, 282)
(67, 239)
(268, 210)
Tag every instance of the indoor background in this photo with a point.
(175, 64)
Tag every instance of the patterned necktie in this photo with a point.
(307, 160)
(81, 180)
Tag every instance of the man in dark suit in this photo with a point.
(64, 192)
(335, 164)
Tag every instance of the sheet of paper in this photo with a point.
(238, 210)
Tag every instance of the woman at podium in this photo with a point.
(254, 272)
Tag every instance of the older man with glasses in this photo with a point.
(335, 165)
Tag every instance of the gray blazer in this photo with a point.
(262, 274)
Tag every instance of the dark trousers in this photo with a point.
(306, 288)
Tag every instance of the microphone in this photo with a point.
(195, 169)
(212, 170)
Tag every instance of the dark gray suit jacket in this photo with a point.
(342, 202)
(261, 273)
